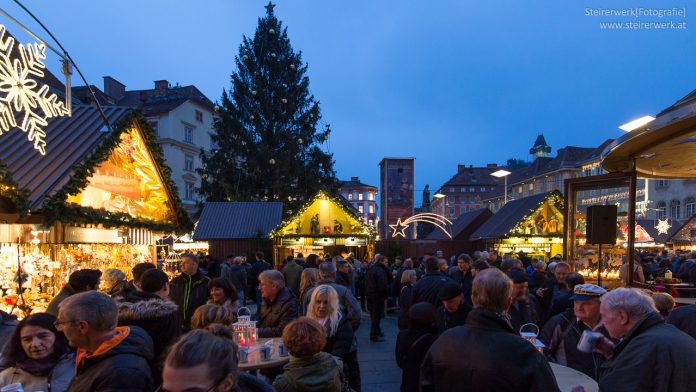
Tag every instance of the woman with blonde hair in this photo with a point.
(324, 308)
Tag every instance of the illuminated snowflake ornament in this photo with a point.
(25, 103)
(662, 226)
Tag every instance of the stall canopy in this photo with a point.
(237, 220)
(685, 235)
(92, 174)
(464, 226)
(537, 215)
(647, 231)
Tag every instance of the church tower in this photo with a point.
(540, 149)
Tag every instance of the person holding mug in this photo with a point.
(38, 356)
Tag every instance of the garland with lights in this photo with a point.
(56, 208)
(554, 196)
(10, 190)
(340, 202)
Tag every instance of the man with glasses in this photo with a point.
(109, 358)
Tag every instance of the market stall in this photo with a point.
(326, 224)
(683, 236)
(532, 225)
(99, 198)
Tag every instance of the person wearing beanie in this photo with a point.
(414, 342)
(453, 309)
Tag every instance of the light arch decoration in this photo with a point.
(436, 220)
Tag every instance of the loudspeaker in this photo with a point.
(601, 224)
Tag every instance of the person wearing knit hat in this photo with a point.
(562, 332)
(454, 309)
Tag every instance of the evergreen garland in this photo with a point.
(56, 208)
(10, 190)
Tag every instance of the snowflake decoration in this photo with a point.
(24, 103)
(662, 226)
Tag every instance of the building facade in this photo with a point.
(362, 197)
(396, 196)
(466, 190)
(182, 118)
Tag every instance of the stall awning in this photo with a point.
(237, 220)
(541, 211)
(463, 226)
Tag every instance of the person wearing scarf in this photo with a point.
(37, 356)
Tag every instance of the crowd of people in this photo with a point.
(459, 326)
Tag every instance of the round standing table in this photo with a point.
(567, 378)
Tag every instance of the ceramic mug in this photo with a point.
(588, 340)
(282, 350)
(243, 355)
(266, 352)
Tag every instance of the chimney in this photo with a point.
(460, 168)
(161, 86)
(492, 165)
(114, 89)
(354, 179)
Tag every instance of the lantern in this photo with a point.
(244, 329)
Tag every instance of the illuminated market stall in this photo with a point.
(325, 224)
(97, 198)
(684, 237)
(532, 225)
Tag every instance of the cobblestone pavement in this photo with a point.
(377, 364)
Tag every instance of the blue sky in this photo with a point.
(446, 82)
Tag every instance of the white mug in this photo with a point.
(16, 387)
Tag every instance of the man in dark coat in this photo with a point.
(189, 290)
(525, 308)
(109, 358)
(377, 281)
(684, 318)
(327, 276)
(291, 274)
(554, 291)
(502, 361)
(78, 282)
(561, 334)
(461, 273)
(257, 267)
(279, 306)
(413, 342)
(151, 310)
(233, 271)
(651, 355)
(428, 287)
(454, 310)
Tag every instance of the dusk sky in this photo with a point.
(446, 82)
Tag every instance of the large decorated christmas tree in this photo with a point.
(269, 134)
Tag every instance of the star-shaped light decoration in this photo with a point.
(398, 229)
(662, 226)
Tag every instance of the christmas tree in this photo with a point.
(268, 134)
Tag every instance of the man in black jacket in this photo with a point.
(502, 361)
(109, 358)
(554, 291)
(189, 290)
(684, 318)
(454, 310)
(233, 271)
(377, 280)
(428, 287)
(461, 273)
(278, 308)
(525, 307)
(257, 267)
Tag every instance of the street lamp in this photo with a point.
(440, 196)
(504, 174)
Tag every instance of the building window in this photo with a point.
(153, 124)
(450, 199)
(531, 186)
(462, 189)
(661, 183)
(371, 222)
(371, 208)
(199, 116)
(189, 190)
(188, 162)
(188, 134)
(370, 196)
(519, 189)
(451, 211)
(360, 208)
(360, 196)
(213, 145)
(350, 196)
(472, 199)
(690, 207)
(661, 210)
(451, 190)
(472, 189)
(675, 209)
(483, 189)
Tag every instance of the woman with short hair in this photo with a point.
(206, 360)
(212, 314)
(222, 293)
(37, 356)
(114, 280)
(309, 369)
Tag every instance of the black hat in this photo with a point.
(449, 291)
(518, 275)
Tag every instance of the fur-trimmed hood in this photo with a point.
(150, 309)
